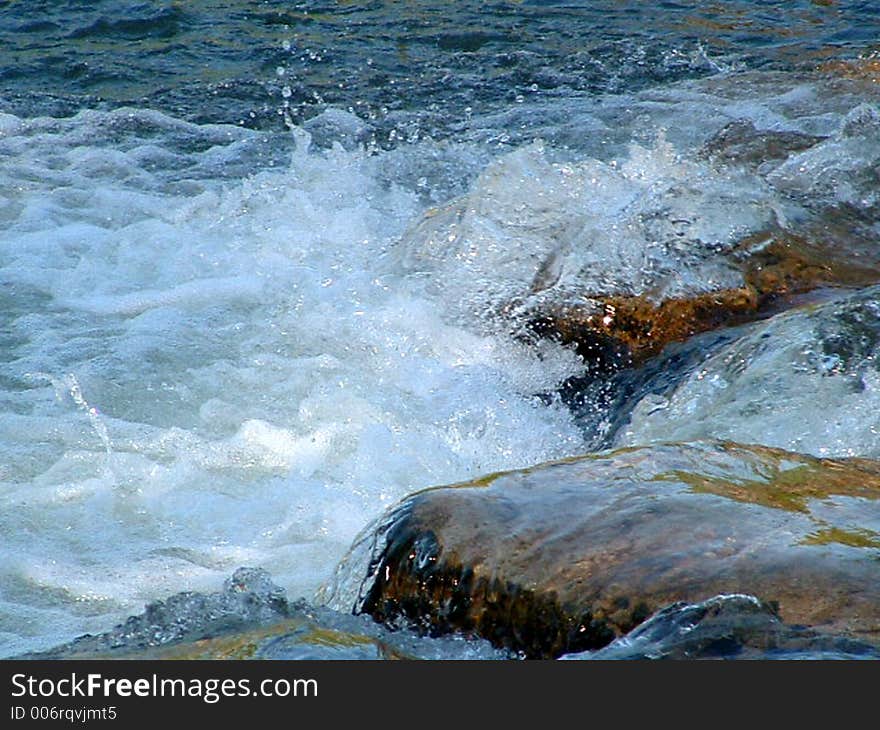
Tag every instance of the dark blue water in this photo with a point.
(241, 61)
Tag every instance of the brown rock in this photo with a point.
(778, 268)
(634, 328)
(741, 143)
(566, 556)
(784, 263)
(862, 69)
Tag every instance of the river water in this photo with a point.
(213, 352)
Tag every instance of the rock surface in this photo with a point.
(740, 142)
(806, 380)
(864, 69)
(251, 618)
(621, 258)
(568, 556)
(726, 627)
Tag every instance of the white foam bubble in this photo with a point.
(231, 374)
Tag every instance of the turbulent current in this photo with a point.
(235, 324)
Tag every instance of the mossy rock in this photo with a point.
(567, 556)
(779, 269)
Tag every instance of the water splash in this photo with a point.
(68, 385)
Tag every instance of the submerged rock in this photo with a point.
(614, 332)
(740, 142)
(567, 556)
(249, 598)
(806, 380)
(861, 69)
(251, 618)
(621, 258)
(726, 627)
(776, 267)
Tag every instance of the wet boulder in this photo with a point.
(779, 269)
(740, 142)
(620, 258)
(807, 380)
(567, 556)
(732, 626)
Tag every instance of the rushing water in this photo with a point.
(214, 349)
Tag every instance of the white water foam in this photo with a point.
(201, 372)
